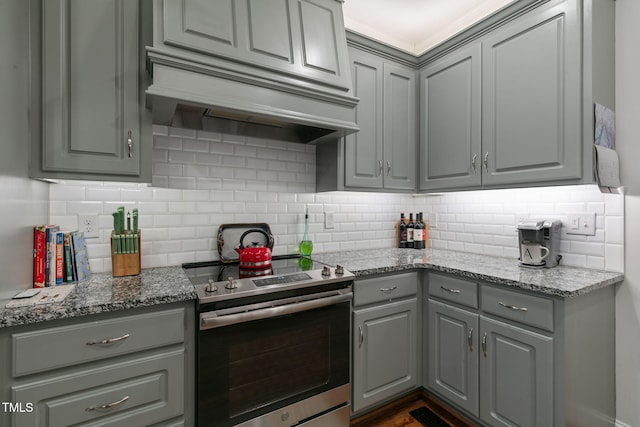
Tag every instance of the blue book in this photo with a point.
(50, 255)
(81, 255)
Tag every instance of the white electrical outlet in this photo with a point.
(328, 220)
(88, 223)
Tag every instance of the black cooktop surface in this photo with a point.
(201, 272)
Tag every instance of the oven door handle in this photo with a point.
(210, 320)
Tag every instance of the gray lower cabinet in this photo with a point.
(385, 339)
(382, 155)
(115, 370)
(507, 357)
(514, 106)
(516, 375)
(86, 91)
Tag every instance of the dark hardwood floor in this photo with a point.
(396, 414)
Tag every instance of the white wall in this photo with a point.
(628, 146)
(24, 202)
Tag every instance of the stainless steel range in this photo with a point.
(273, 345)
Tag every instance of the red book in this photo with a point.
(39, 249)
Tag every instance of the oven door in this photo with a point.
(252, 368)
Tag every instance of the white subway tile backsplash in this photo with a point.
(204, 179)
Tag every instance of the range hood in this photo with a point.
(287, 85)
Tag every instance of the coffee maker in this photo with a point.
(539, 241)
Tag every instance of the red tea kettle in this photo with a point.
(256, 255)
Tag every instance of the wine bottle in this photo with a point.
(410, 229)
(402, 232)
(418, 233)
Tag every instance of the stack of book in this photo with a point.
(58, 256)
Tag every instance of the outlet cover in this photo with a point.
(88, 223)
(583, 223)
(328, 220)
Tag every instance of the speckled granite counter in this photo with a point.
(561, 281)
(103, 293)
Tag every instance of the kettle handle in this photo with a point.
(256, 230)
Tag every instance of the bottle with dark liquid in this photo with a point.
(410, 229)
(402, 232)
(418, 233)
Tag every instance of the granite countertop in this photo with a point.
(102, 293)
(560, 281)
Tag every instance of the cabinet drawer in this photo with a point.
(528, 309)
(454, 289)
(56, 347)
(385, 288)
(143, 391)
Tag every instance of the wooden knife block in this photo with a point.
(125, 264)
(406, 221)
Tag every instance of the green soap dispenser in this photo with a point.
(306, 245)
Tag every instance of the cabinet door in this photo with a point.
(90, 87)
(453, 354)
(450, 152)
(531, 98)
(516, 376)
(363, 149)
(384, 352)
(296, 37)
(399, 100)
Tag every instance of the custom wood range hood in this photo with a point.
(264, 68)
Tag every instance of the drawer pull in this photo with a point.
(107, 406)
(453, 291)
(470, 340)
(109, 341)
(512, 307)
(388, 290)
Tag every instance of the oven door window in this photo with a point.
(252, 368)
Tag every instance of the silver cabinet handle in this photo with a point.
(453, 291)
(361, 339)
(470, 339)
(484, 344)
(108, 406)
(388, 290)
(485, 161)
(380, 167)
(130, 143)
(388, 167)
(512, 307)
(473, 163)
(109, 341)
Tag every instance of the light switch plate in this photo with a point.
(582, 223)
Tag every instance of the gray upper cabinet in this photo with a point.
(531, 98)
(382, 155)
(299, 37)
(89, 54)
(510, 102)
(450, 115)
(363, 151)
